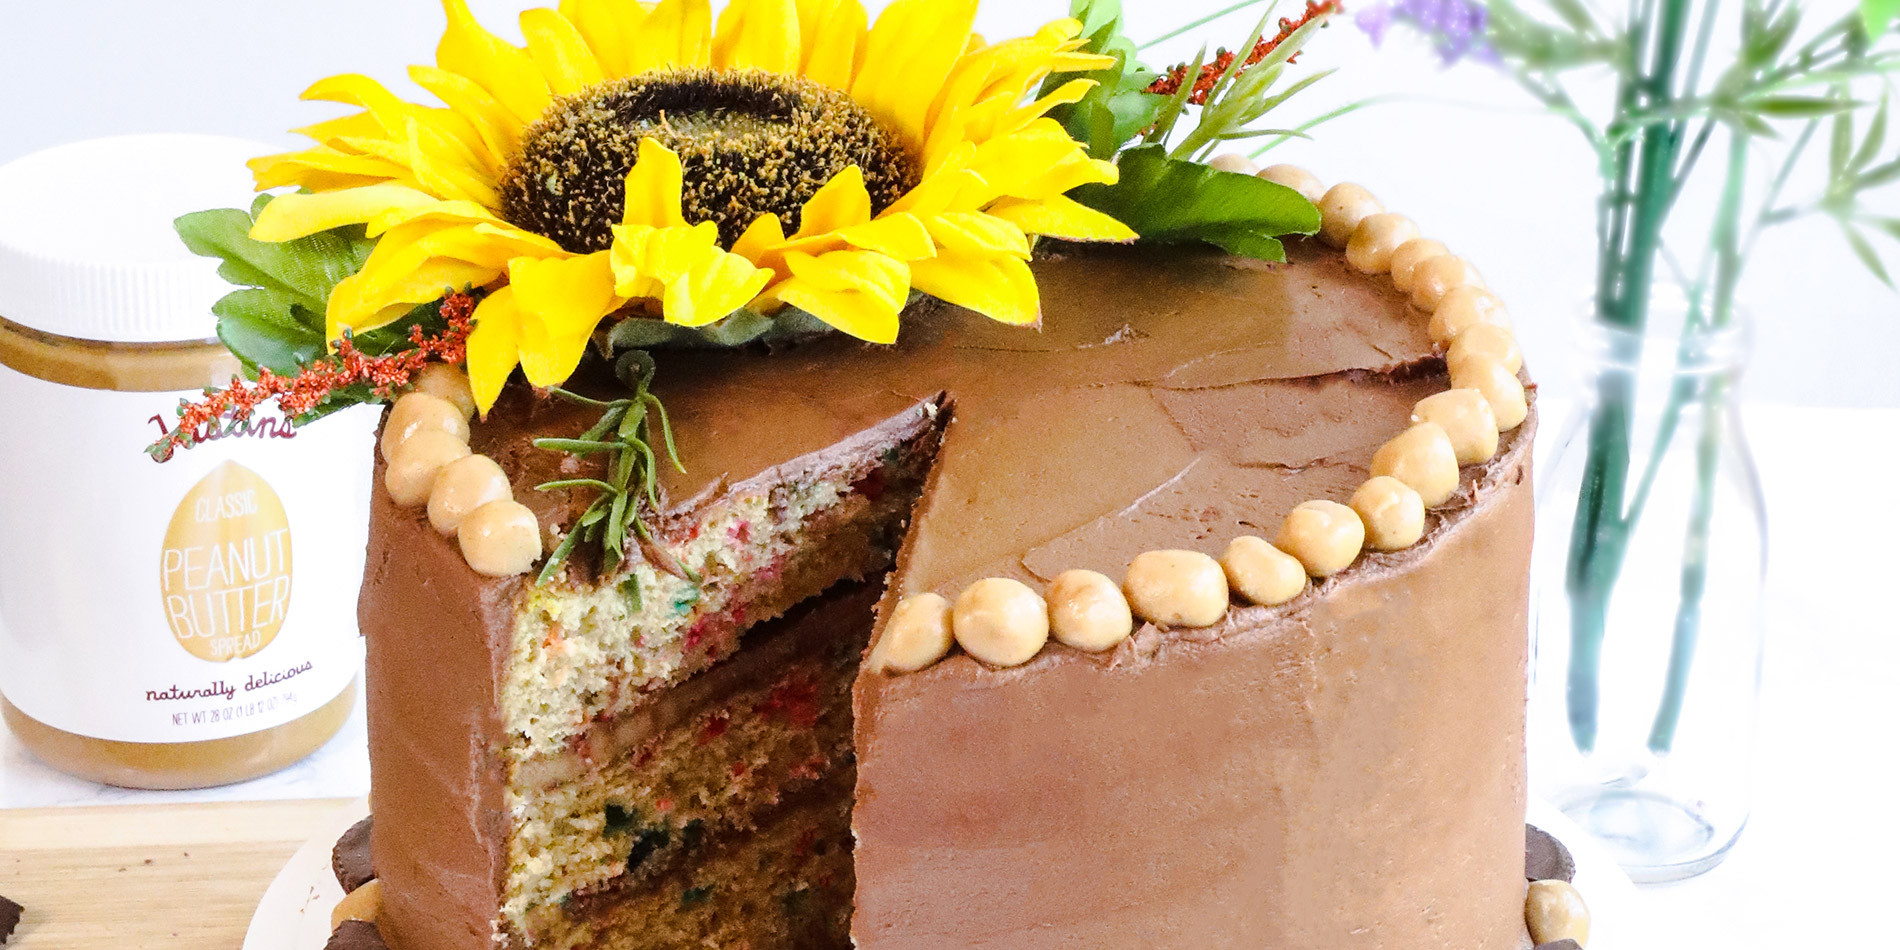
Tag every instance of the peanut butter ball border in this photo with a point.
(1003, 622)
(428, 462)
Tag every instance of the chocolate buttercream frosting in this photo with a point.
(1345, 770)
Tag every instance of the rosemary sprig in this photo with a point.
(625, 429)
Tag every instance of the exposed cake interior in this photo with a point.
(720, 811)
(647, 751)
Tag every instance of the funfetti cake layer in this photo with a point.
(1345, 770)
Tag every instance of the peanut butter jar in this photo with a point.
(162, 625)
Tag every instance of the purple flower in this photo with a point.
(1455, 27)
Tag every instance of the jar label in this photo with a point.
(225, 568)
(210, 596)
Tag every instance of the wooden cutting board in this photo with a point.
(149, 877)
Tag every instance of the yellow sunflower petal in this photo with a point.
(361, 302)
(718, 285)
(498, 128)
(943, 186)
(505, 71)
(676, 33)
(654, 187)
(292, 168)
(1061, 217)
(973, 234)
(390, 112)
(832, 33)
(416, 261)
(294, 216)
(446, 174)
(1075, 170)
(1001, 288)
(449, 212)
(318, 182)
(901, 236)
(561, 302)
(758, 34)
(516, 241)
(979, 74)
(858, 292)
(1010, 162)
(490, 245)
(609, 27)
(907, 56)
(764, 233)
(356, 124)
(838, 203)
(1015, 119)
(559, 52)
(447, 133)
(698, 282)
(493, 346)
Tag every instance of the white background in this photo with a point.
(1466, 156)
(1464, 153)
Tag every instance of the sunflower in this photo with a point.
(636, 160)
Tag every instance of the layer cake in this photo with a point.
(694, 755)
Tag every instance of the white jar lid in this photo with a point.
(87, 248)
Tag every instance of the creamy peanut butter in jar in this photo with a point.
(162, 625)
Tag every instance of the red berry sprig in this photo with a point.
(306, 390)
(1170, 83)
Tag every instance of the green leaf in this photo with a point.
(1174, 201)
(262, 327)
(1840, 143)
(338, 400)
(1871, 145)
(394, 337)
(1864, 250)
(1096, 15)
(1134, 109)
(1172, 106)
(1801, 107)
(738, 329)
(1119, 90)
(1575, 14)
(571, 483)
(1765, 37)
(308, 267)
(1101, 138)
(1244, 242)
(1300, 130)
(1877, 15)
(276, 320)
(630, 589)
(1889, 225)
(1879, 176)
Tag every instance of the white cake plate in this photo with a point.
(294, 913)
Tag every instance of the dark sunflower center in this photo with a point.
(749, 142)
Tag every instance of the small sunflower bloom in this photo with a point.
(637, 159)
